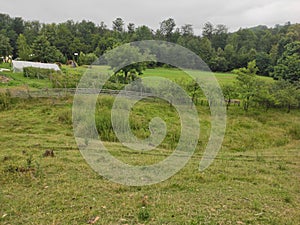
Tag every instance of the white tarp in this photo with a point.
(19, 65)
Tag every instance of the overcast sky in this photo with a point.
(233, 13)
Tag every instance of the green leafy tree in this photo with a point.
(75, 47)
(265, 95)
(50, 32)
(208, 30)
(18, 25)
(286, 94)
(274, 54)
(247, 84)
(282, 43)
(230, 56)
(288, 67)
(5, 47)
(128, 61)
(263, 62)
(87, 59)
(131, 28)
(194, 89)
(85, 31)
(167, 27)
(229, 92)
(24, 50)
(233, 40)
(32, 30)
(143, 33)
(118, 25)
(44, 52)
(219, 37)
(106, 44)
(187, 30)
(244, 56)
(246, 39)
(63, 40)
(266, 41)
(218, 63)
(205, 50)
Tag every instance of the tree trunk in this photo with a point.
(125, 76)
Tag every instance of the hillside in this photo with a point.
(253, 180)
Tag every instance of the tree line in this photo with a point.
(276, 50)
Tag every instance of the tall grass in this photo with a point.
(140, 117)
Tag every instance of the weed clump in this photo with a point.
(5, 101)
(65, 117)
(143, 214)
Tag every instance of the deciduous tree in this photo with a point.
(24, 50)
(5, 47)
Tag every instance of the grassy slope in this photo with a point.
(20, 80)
(254, 180)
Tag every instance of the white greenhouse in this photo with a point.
(19, 65)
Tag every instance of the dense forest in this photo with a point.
(276, 50)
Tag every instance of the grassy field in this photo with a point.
(19, 80)
(173, 74)
(254, 179)
(176, 74)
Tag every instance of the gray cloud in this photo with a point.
(233, 13)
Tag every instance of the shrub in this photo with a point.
(87, 59)
(65, 80)
(113, 86)
(39, 73)
(65, 116)
(143, 214)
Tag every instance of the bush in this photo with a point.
(113, 86)
(70, 79)
(143, 214)
(87, 59)
(65, 116)
(39, 73)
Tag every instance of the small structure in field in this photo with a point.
(19, 65)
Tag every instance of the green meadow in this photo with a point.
(174, 74)
(253, 180)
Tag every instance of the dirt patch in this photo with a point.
(4, 79)
(48, 153)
